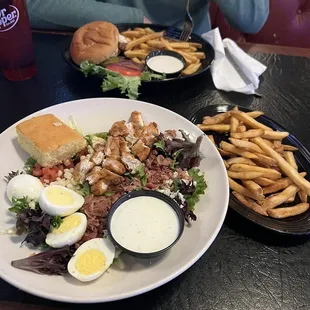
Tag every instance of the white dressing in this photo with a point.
(145, 225)
(165, 64)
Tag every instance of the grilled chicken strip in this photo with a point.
(94, 175)
(119, 129)
(99, 188)
(97, 157)
(81, 169)
(113, 147)
(130, 161)
(114, 166)
(141, 150)
(110, 177)
(98, 144)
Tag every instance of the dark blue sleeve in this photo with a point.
(247, 16)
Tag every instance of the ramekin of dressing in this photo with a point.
(165, 62)
(145, 223)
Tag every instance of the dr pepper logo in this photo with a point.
(8, 18)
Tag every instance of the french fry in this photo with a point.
(179, 45)
(264, 181)
(285, 167)
(277, 199)
(303, 196)
(247, 145)
(149, 30)
(197, 45)
(143, 39)
(249, 121)
(277, 144)
(242, 190)
(289, 156)
(244, 175)
(248, 202)
(255, 114)
(265, 172)
(275, 135)
(280, 149)
(226, 153)
(216, 127)
(198, 55)
(225, 164)
(216, 119)
(143, 46)
(291, 199)
(266, 161)
(231, 148)
(251, 133)
(254, 188)
(240, 160)
(189, 58)
(132, 34)
(137, 54)
(191, 69)
(240, 129)
(211, 139)
(234, 123)
(279, 185)
(136, 59)
(290, 148)
(141, 30)
(155, 44)
(269, 143)
(281, 213)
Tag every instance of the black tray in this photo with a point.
(295, 225)
(171, 32)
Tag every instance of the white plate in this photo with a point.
(139, 276)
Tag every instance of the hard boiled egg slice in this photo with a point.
(70, 231)
(59, 200)
(24, 185)
(92, 259)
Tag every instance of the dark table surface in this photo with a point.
(246, 267)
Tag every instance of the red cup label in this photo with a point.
(8, 18)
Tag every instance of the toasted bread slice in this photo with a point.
(48, 140)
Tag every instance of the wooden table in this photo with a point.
(246, 267)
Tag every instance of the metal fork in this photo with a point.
(188, 25)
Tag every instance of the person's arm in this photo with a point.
(247, 16)
(61, 14)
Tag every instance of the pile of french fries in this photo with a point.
(141, 41)
(262, 171)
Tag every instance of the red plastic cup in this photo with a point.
(17, 59)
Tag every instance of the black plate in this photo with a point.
(173, 33)
(295, 225)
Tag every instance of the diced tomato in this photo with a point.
(123, 70)
(50, 174)
(37, 170)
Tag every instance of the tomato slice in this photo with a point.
(123, 70)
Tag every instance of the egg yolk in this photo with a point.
(68, 223)
(59, 196)
(90, 262)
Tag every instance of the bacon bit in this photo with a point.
(50, 174)
(37, 171)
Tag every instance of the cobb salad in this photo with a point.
(62, 209)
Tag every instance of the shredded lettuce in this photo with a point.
(93, 138)
(128, 85)
(29, 165)
(200, 186)
(73, 124)
(85, 190)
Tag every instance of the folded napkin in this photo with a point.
(233, 69)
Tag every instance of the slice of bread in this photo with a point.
(48, 140)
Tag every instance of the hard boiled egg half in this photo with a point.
(59, 200)
(70, 231)
(24, 185)
(92, 259)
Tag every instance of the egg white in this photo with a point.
(24, 185)
(70, 236)
(61, 210)
(104, 245)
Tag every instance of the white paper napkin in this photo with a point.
(233, 69)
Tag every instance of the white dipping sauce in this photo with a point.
(165, 64)
(145, 224)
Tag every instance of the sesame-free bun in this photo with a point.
(95, 42)
(48, 140)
